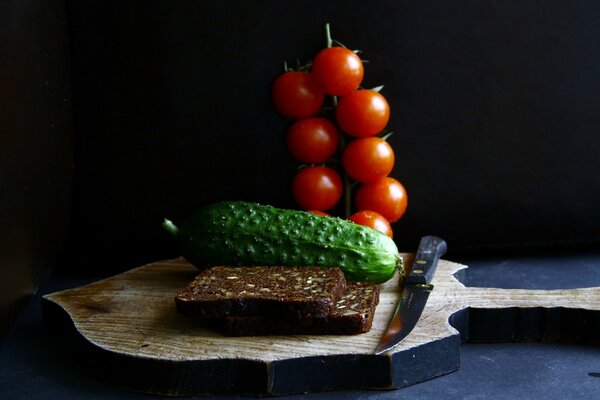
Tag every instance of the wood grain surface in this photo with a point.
(130, 325)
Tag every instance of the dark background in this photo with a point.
(117, 114)
(495, 106)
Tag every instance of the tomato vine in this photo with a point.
(356, 124)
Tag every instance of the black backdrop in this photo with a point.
(495, 105)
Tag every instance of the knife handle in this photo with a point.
(430, 250)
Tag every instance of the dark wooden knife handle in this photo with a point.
(431, 249)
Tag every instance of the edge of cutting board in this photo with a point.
(278, 365)
(133, 337)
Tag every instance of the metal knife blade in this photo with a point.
(414, 294)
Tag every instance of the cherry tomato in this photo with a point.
(386, 196)
(297, 95)
(312, 140)
(373, 220)
(368, 159)
(338, 70)
(319, 213)
(317, 188)
(362, 113)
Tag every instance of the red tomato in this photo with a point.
(319, 213)
(386, 196)
(317, 188)
(297, 95)
(312, 140)
(368, 159)
(338, 70)
(362, 113)
(373, 220)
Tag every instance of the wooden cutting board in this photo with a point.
(134, 338)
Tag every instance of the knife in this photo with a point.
(414, 293)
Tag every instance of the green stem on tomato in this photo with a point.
(387, 135)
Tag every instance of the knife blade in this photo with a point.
(415, 293)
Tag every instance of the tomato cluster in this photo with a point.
(354, 130)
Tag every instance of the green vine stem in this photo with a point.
(343, 139)
(328, 39)
(329, 43)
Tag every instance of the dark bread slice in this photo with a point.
(262, 290)
(352, 314)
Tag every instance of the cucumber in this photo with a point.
(242, 233)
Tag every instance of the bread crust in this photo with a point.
(353, 314)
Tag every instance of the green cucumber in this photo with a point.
(242, 233)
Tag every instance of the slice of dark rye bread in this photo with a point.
(262, 290)
(352, 314)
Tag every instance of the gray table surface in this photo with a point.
(39, 364)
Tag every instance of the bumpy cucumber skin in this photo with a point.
(242, 233)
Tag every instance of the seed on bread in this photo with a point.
(262, 290)
(352, 314)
